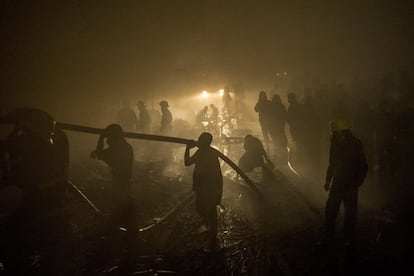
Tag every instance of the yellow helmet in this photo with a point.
(339, 124)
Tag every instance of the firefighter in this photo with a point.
(345, 174)
(144, 121)
(207, 182)
(119, 157)
(166, 119)
(264, 108)
(255, 156)
(34, 185)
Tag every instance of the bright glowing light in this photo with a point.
(221, 92)
(204, 94)
(285, 73)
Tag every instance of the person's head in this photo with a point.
(141, 104)
(204, 140)
(292, 98)
(262, 96)
(276, 99)
(212, 106)
(248, 141)
(338, 126)
(113, 133)
(164, 104)
(35, 122)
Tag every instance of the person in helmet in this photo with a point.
(33, 190)
(166, 119)
(345, 174)
(207, 182)
(144, 122)
(119, 157)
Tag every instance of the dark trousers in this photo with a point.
(349, 196)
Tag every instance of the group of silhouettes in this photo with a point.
(34, 165)
(128, 120)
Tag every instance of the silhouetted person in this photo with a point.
(144, 122)
(119, 157)
(34, 187)
(226, 98)
(239, 94)
(263, 107)
(126, 117)
(295, 121)
(166, 119)
(254, 156)
(207, 182)
(202, 116)
(347, 170)
(277, 126)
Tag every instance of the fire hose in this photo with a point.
(159, 138)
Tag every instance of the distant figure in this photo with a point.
(144, 122)
(226, 101)
(202, 116)
(214, 119)
(126, 117)
(166, 119)
(263, 107)
(214, 114)
(347, 170)
(295, 121)
(277, 126)
(239, 95)
(33, 192)
(119, 157)
(255, 156)
(207, 182)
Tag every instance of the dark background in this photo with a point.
(69, 56)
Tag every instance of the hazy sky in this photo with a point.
(85, 51)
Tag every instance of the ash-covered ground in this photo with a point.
(277, 233)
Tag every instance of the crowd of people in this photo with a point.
(35, 160)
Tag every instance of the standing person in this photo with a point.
(295, 121)
(119, 157)
(201, 117)
(263, 107)
(207, 182)
(214, 119)
(33, 190)
(226, 98)
(347, 170)
(277, 126)
(144, 122)
(126, 117)
(166, 119)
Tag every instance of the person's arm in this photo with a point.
(188, 161)
(97, 153)
(257, 107)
